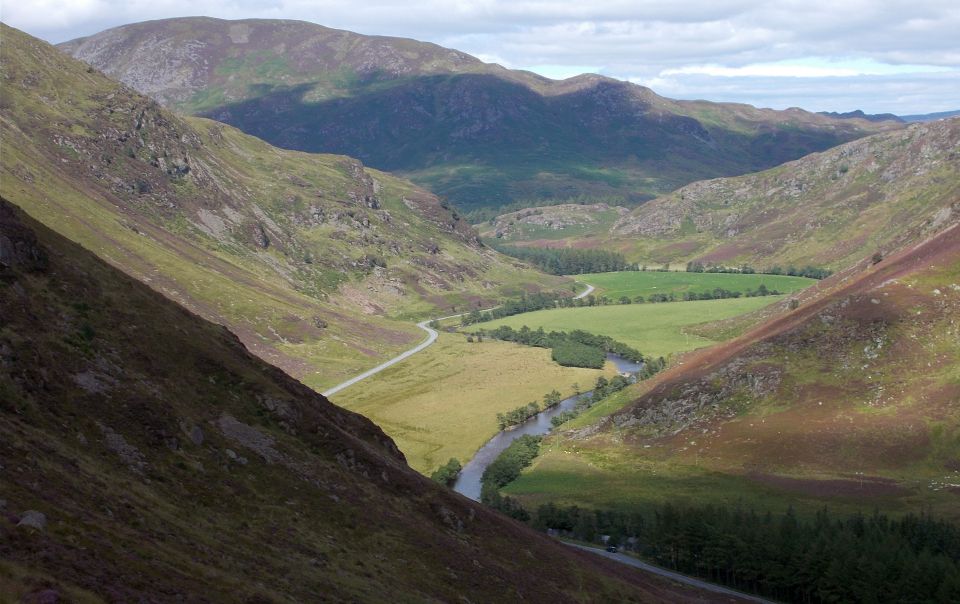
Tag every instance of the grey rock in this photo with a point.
(33, 519)
(231, 453)
(196, 435)
(128, 453)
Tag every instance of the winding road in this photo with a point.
(431, 338)
(669, 574)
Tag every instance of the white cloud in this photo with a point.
(703, 47)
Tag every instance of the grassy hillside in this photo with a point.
(849, 401)
(304, 256)
(443, 402)
(653, 329)
(169, 464)
(477, 133)
(828, 209)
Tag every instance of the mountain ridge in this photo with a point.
(477, 133)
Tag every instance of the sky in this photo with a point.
(880, 56)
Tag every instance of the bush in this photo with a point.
(447, 473)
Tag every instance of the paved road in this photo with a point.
(431, 338)
(585, 292)
(650, 568)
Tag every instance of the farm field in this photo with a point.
(443, 401)
(645, 283)
(653, 329)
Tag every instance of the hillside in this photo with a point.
(476, 133)
(851, 400)
(305, 257)
(828, 209)
(147, 456)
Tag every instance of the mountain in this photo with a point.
(147, 456)
(828, 209)
(309, 259)
(478, 134)
(849, 400)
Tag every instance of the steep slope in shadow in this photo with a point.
(169, 464)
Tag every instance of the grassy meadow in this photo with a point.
(443, 402)
(645, 283)
(653, 329)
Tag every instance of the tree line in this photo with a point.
(601, 390)
(567, 261)
(513, 306)
(505, 469)
(577, 348)
(826, 558)
(809, 271)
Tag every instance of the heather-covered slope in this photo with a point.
(303, 256)
(827, 209)
(147, 456)
(477, 133)
(851, 400)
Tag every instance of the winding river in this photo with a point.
(468, 483)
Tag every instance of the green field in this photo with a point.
(645, 283)
(443, 402)
(653, 329)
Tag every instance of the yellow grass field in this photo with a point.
(443, 402)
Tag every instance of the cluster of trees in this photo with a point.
(514, 306)
(570, 353)
(577, 348)
(858, 558)
(566, 261)
(601, 390)
(505, 469)
(744, 269)
(448, 472)
(518, 415)
(525, 412)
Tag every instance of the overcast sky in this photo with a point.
(824, 55)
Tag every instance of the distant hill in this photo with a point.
(307, 258)
(929, 117)
(859, 114)
(148, 457)
(477, 133)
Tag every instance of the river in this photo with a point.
(468, 483)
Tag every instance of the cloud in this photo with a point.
(735, 46)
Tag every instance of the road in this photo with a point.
(431, 338)
(656, 570)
